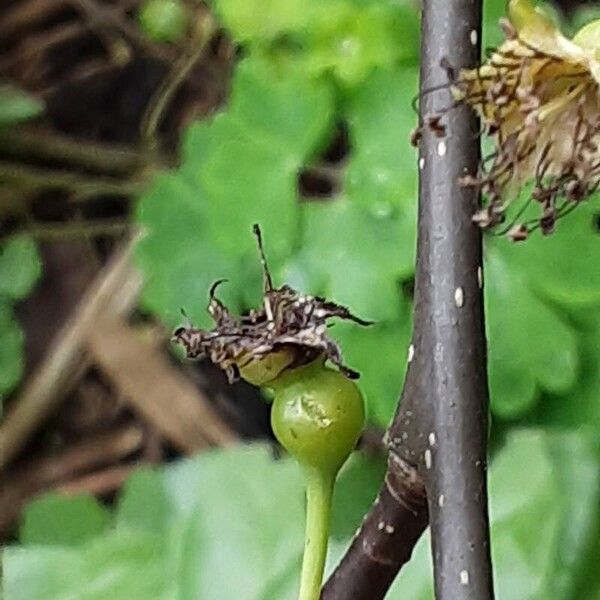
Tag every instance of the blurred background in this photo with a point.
(139, 141)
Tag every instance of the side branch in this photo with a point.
(385, 539)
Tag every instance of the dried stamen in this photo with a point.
(538, 96)
(289, 325)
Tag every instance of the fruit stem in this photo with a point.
(319, 491)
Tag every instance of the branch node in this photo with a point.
(405, 484)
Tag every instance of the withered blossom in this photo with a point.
(538, 96)
(289, 330)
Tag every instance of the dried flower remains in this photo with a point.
(289, 330)
(538, 96)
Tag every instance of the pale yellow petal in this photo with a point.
(588, 38)
(537, 30)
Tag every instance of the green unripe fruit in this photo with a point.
(317, 415)
(163, 20)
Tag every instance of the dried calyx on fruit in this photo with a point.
(288, 331)
(538, 96)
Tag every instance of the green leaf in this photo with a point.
(240, 511)
(180, 532)
(246, 19)
(550, 528)
(237, 170)
(381, 174)
(177, 258)
(286, 110)
(11, 351)
(575, 456)
(144, 503)
(357, 255)
(580, 406)
(563, 267)
(587, 586)
(416, 577)
(520, 491)
(119, 566)
(261, 515)
(62, 521)
(16, 106)
(20, 267)
(493, 11)
(355, 489)
(530, 347)
(260, 190)
(345, 38)
(350, 40)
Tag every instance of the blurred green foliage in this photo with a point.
(61, 521)
(20, 268)
(163, 20)
(228, 524)
(306, 70)
(175, 534)
(294, 87)
(20, 265)
(16, 106)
